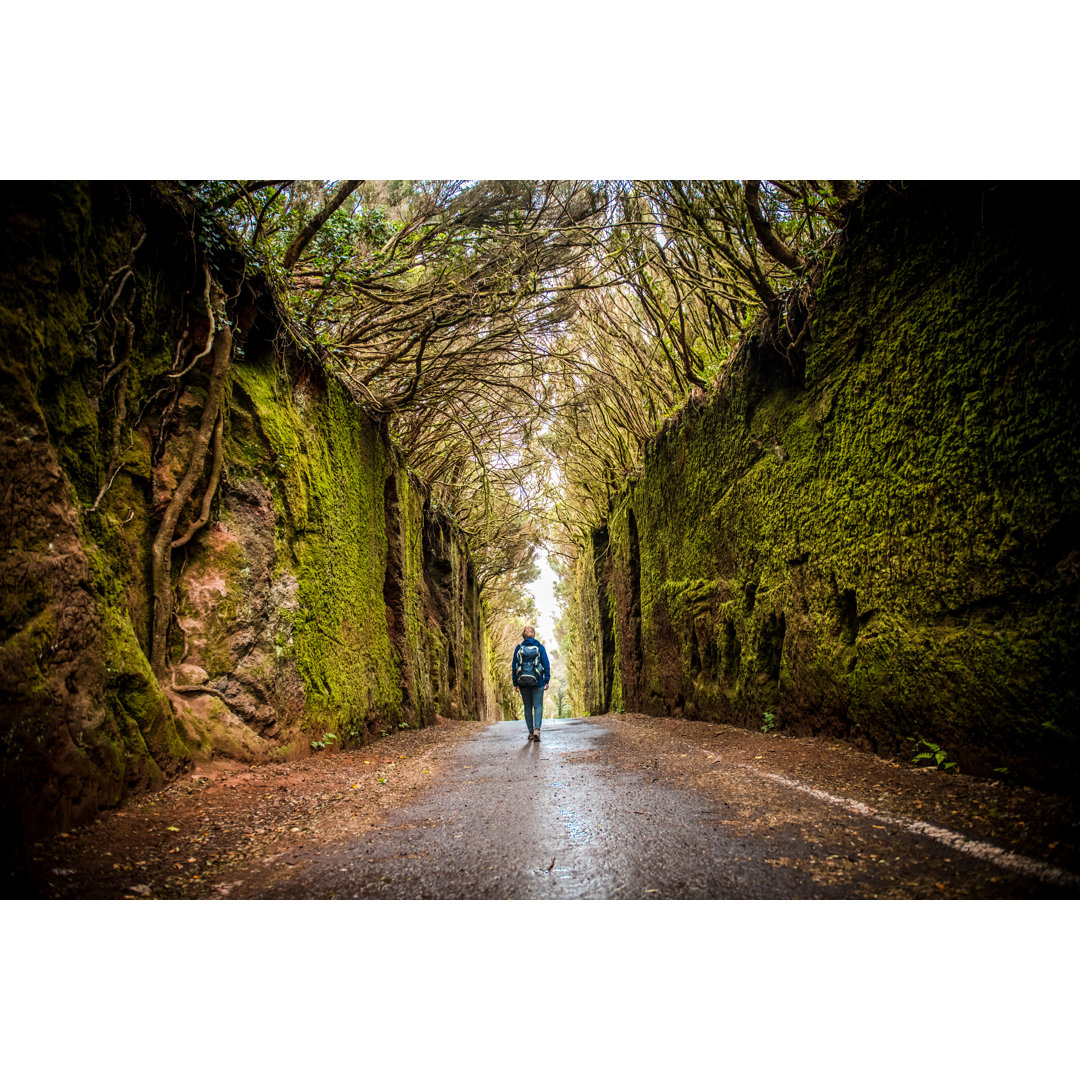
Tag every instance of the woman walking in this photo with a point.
(532, 673)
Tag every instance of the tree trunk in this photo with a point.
(318, 221)
(845, 190)
(769, 240)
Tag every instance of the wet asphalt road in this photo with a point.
(559, 819)
(619, 807)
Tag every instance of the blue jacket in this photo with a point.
(543, 661)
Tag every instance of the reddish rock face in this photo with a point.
(319, 604)
(68, 744)
(235, 610)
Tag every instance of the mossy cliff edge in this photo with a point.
(325, 602)
(886, 548)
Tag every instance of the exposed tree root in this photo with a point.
(123, 367)
(105, 489)
(209, 334)
(211, 486)
(120, 367)
(125, 274)
(198, 690)
(161, 553)
(179, 349)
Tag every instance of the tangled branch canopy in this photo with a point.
(524, 340)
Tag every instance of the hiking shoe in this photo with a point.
(531, 737)
(536, 734)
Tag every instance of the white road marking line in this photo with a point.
(978, 849)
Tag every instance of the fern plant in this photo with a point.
(933, 755)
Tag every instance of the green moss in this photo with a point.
(416, 631)
(345, 511)
(46, 268)
(23, 651)
(147, 728)
(327, 469)
(884, 552)
(585, 637)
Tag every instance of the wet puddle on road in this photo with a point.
(578, 831)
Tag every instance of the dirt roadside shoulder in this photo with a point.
(730, 765)
(226, 822)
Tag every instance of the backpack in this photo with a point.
(530, 669)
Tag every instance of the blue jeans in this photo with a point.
(532, 697)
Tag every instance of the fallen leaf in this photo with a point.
(173, 828)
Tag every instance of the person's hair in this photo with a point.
(528, 631)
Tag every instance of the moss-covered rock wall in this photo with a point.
(887, 549)
(323, 603)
